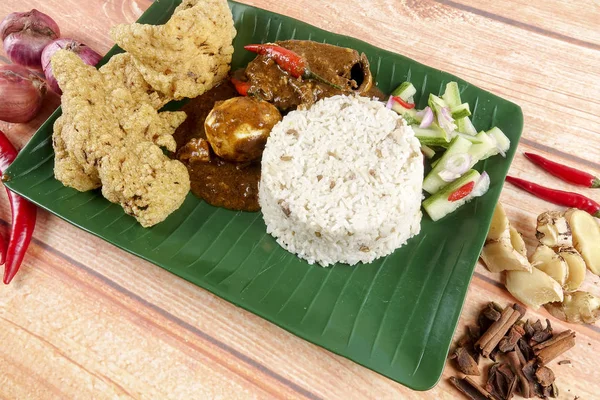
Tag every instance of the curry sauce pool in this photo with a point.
(219, 182)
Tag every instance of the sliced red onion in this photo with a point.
(482, 185)
(427, 118)
(390, 103)
(458, 163)
(445, 120)
(448, 176)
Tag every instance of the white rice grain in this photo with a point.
(342, 181)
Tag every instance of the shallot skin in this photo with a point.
(22, 94)
(25, 34)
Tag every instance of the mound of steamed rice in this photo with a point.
(341, 181)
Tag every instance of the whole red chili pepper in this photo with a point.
(23, 216)
(566, 173)
(403, 103)
(560, 197)
(240, 86)
(2, 250)
(462, 191)
(289, 61)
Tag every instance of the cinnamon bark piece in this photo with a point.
(517, 365)
(509, 342)
(550, 351)
(496, 332)
(545, 376)
(465, 362)
(471, 389)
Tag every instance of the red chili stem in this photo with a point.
(560, 197)
(403, 103)
(241, 87)
(23, 216)
(564, 172)
(289, 61)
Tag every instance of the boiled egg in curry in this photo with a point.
(237, 129)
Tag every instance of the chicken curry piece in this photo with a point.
(343, 67)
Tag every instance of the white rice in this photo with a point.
(342, 181)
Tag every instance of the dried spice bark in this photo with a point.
(520, 350)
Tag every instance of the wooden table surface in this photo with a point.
(86, 320)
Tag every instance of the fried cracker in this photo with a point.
(189, 54)
(154, 126)
(127, 86)
(66, 168)
(147, 184)
(92, 127)
(93, 144)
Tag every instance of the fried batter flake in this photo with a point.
(127, 86)
(94, 146)
(186, 56)
(66, 168)
(153, 126)
(92, 127)
(147, 184)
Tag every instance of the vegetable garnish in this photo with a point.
(462, 191)
(427, 118)
(289, 61)
(25, 34)
(560, 197)
(22, 93)
(564, 172)
(89, 56)
(403, 103)
(240, 86)
(23, 216)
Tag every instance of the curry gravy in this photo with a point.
(220, 183)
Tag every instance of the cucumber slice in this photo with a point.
(409, 114)
(436, 103)
(465, 125)
(438, 205)
(502, 140)
(470, 138)
(405, 91)
(484, 149)
(432, 136)
(452, 95)
(460, 111)
(433, 182)
(427, 151)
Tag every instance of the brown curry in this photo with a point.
(234, 185)
(219, 182)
